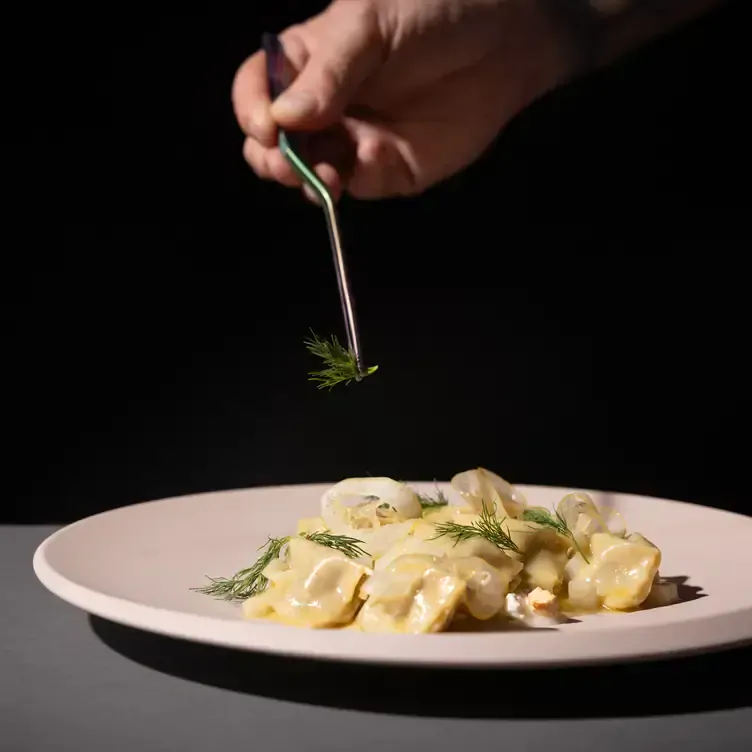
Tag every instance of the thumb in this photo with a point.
(346, 55)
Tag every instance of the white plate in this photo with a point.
(136, 566)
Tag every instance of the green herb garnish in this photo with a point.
(554, 521)
(341, 366)
(251, 581)
(247, 582)
(433, 502)
(350, 547)
(488, 527)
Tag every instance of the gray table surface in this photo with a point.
(70, 682)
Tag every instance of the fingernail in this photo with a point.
(310, 195)
(294, 106)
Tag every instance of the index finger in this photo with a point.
(251, 101)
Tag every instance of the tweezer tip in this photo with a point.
(361, 372)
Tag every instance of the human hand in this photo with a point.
(397, 94)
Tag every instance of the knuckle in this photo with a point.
(330, 80)
(248, 153)
(374, 151)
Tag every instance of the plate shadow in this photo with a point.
(685, 592)
(669, 687)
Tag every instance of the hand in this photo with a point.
(398, 94)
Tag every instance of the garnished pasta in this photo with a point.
(380, 557)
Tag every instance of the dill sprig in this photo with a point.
(247, 582)
(341, 367)
(350, 547)
(251, 581)
(488, 526)
(554, 521)
(433, 502)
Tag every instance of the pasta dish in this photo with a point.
(381, 557)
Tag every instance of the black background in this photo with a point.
(571, 310)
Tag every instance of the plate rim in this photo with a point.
(732, 629)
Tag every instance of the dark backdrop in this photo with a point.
(572, 310)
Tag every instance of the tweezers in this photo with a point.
(280, 76)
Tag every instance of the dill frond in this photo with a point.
(350, 547)
(251, 581)
(246, 582)
(340, 365)
(554, 521)
(488, 526)
(433, 502)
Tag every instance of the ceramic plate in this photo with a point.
(137, 565)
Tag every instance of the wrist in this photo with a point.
(593, 33)
(585, 29)
(544, 46)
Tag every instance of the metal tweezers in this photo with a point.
(280, 76)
